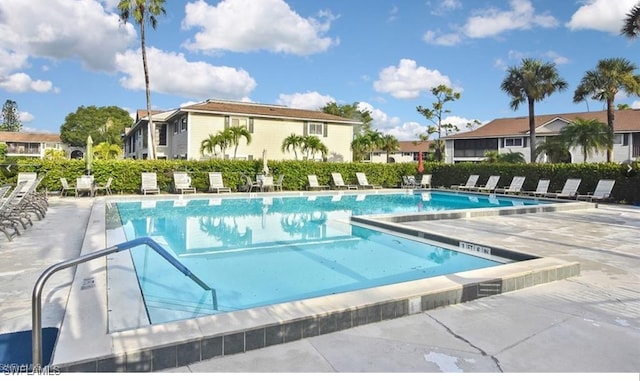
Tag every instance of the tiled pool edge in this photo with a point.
(182, 343)
(190, 350)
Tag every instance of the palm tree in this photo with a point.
(209, 144)
(555, 148)
(602, 84)
(106, 150)
(389, 144)
(374, 140)
(142, 12)
(531, 82)
(590, 135)
(235, 134)
(507, 157)
(359, 146)
(292, 142)
(631, 27)
(311, 145)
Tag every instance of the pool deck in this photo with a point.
(586, 323)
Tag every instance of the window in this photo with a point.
(183, 124)
(162, 141)
(175, 127)
(237, 122)
(315, 129)
(513, 142)
(617, 138)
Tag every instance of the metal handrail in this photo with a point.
(36, 299)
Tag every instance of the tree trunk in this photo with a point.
(532, 130)
(610, 117)
(151, 129)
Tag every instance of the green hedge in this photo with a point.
(126, 173)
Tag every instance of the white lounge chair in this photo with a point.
(149, 183)
(491, 184)
(541, 189)
(471, 183)
(514, 188)
(602, 191)
(216, 184)
(425, 181)
(338, 182)
(313, 183)
(570, 189)
(182, 183)
(364, 183)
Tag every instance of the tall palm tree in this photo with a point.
(389, 144)
(531, 82)
(555, 148)
(209, 144)
(631, 26)
(360, 146)
(292, 142)
(610, 76)
(106, 150)
(312, 145)
(374, 139)
(590, 135)
(142, 12)
(235, 134)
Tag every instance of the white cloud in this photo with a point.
(492, 22)
(601, 15)
(64, 29)
(635, 104)
(311, 100)
(248, 25)
(171, 73)
(381, 121)
(408, 80)
(445, 6)
(556, 58)
(25, 117)
(22, 83)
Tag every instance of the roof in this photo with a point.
(624, 121)
(272, 111)
(415, 146)
(29, 137)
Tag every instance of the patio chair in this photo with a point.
(471, 183)
(85, 184)
(425, 181)
(601, 193)
(364, 183)
(541, 189)
(182, 183)
(514, 188)
(216, 184)
(266, 184)
(338, 182)
(491, 184)
(66, 188)
(409, 182)
(313, 183)
(149, 183)
(277, 185)
(569, 190)
(106, 188)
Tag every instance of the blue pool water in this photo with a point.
(265, 250)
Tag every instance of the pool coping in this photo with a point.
(175, 344)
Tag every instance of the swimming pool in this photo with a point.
(265, 250)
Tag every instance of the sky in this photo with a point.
(59, 55)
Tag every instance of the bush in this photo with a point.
(126, 173)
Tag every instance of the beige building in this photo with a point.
(408, 152)
(31, 144)
(512, 135)
(179, 133)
